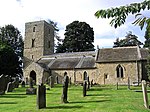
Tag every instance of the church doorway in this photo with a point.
(33, 76)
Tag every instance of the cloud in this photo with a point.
(18, 12)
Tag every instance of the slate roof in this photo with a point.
(68, 60)
(121, 54)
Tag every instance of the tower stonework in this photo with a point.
(39, 40)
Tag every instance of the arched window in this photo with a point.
(65, 73)
(119, 71)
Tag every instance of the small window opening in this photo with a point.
(33, 43)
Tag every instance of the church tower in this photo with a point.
(39, 40)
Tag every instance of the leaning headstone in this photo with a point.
(145, 97)
(57, 82)
(65, 89)
(128, 83)
(23, 84)
(31, 90)
(41, 96)
(3, 84)
(84, 88)
(10, 87)
(88, 83)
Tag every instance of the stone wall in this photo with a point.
(108, 74)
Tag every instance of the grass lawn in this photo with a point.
(98, 99)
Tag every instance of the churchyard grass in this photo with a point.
(98, 99)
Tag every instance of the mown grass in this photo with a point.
(98, 99)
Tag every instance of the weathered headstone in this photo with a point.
(145, 97)
(57, 82)
(128, 83)
(65, 89)
(10, 87)
(88, 83)
(41, 96)
(117, 86)
(51, 81)
(16, 82)
(23, 84)
(31, 90)
(70, 80)
(3, 84)
(91, 82)
(84, 88)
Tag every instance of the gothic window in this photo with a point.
(119, 71)
(33, 29)
(33, 43)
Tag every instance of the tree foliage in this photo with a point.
(119, 14)
(9, 61)
(79, 36)
(147, 35)
(11, 35)
(11, 50)
(130, 40)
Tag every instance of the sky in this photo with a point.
(64, 12)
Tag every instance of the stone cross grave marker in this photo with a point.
(65, 89)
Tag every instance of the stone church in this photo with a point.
(104, 66)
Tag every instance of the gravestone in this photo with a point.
(57, 82)
(88, 83)
(84, 88)
(70, 80)
(10, 87)
(117, 86)
(31, 90)
(65, 89)
(128, 83)
(91, 82)
(145, 97)
(41, 96)
(3, 84)
(16, 82)
(23, 84)
(51, 81)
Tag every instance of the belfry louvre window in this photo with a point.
(33, 29)
(33, 43)
(119, 71)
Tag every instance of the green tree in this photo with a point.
(130, 40)
(12, 36)
(147, 35)
(79, 36)
(119, 14)
(9, 64)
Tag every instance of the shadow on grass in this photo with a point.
(95, 101)
(64, 107)
(95, 89)
(13, 96)
(8, 103)
(98, 95)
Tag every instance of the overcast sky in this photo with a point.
(18, 12)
